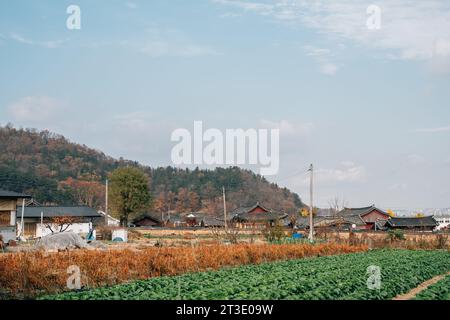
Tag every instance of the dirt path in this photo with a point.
(411, 294)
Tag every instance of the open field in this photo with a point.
(437, 291)
(332, 277)
(28, 274)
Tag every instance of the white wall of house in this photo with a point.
(111, 221)
(79, 228)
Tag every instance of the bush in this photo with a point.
(275, 233)
(394, 235)
(441, 241)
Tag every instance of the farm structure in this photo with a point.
(8, 207)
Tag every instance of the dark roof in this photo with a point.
(212, 221)
(412, 222)
(329, 221)
(264, 216)
(57, 211)
(12, 194)
(360, 211)
(148, 215)
(247, 209)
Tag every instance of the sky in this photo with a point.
(368, 107)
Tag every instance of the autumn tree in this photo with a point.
(129, 193)
(59, 224)
(160, 203)
(182, 200)
(391, 213)
(86, 190)
(194, 201)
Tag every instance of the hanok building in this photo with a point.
(329, 222)
(412, 223)
(8, 207)
(148, 220)
(212, 222)
(255, 216)
(366, 218)
(39, 221)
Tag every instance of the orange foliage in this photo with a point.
(28, 274)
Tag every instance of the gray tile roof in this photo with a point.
(329, 221)
(264, 216)
(359, 211)
(57, 211)
(247, 209)
(12, 194)
(412, 222)
(212, 222)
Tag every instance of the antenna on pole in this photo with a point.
(224, 208)
(311, 208)
(106, 203)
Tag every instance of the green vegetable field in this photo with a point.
(437, 291)
(331, 277)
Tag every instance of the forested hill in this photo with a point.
(57, 171)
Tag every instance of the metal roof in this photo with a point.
(57, 211)
(12, 194)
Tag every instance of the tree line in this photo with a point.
(56, 171)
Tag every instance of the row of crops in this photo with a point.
(332, 277)
(437, 291)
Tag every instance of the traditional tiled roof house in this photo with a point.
(363, 218)
(256, 216)
(412, 223)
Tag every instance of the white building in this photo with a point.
(113, 222)
(444, 222)
(39, 221)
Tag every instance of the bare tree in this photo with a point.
(337, 204)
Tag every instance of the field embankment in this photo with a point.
(28, 274)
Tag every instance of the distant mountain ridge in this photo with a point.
(55, 170)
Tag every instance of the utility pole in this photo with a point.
(106, 203)
(311, 208)
(224, 208)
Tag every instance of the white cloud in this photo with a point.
(322, 57)
(46, 44)
(410, 29)
(161, 48)
(434, 130)
(261, 8)
(230, 15)
(167, 43)
(131, 5)
(287, 128)
(36, 109)
(347, 172)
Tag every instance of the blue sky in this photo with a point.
(368, 107)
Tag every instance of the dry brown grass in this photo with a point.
(27, 274)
